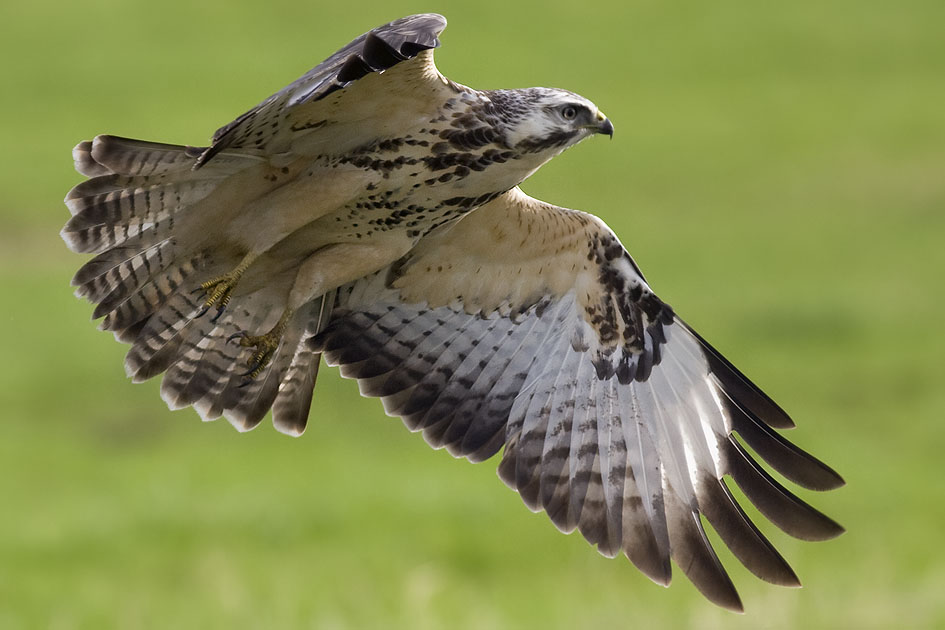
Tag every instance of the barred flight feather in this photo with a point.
(625, 437)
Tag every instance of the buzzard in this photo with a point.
(370, 213)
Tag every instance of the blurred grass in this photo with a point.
(779, 173)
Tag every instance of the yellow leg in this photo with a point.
(219, 290)
(265, 345)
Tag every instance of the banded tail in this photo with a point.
(137, 213)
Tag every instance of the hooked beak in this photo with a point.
(604, 125)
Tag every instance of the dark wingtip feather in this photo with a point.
(378, 53)
(737, 531)
(642, 550)
(739, 387)
(754, 417)
(693, 553)
(353, 69)
(776, 502)
(794, 463)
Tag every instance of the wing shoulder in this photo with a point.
(509, 254)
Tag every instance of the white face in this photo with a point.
(554, 120)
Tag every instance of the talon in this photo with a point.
(265, 345)
(258, 363)
(237, 335)
(220, 310)
(254, 369)
(219, 290)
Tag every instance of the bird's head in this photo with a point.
(547, 120)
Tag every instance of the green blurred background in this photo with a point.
(778, 171)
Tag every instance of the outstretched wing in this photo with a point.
(302, 107)
(528, 326)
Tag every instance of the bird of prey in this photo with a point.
(370, 213)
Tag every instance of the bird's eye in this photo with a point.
(569, 112)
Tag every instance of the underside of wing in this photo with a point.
(527, 327)
(302, 106)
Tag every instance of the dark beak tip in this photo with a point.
(606, 128)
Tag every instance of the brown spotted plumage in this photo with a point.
(370, 212)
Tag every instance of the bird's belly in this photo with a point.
(312, 190)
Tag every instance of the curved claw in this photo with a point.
(206, 307)
(218, 292)
(219, 314)
(254, 368)
(265, 346)
(265, 349)
(237, 335)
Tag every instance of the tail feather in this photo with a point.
(85, 163)
(206, 369)
(119, 271)
(106, 155)
(210, 406)
(152, 295)
(137, 157)
(145, 278)
(156, 347)
(128, 209)
(130, 334)
(137, 190)
(247, 404)
(205, 358)
(294, 399)
(105, 182)
(99, 266)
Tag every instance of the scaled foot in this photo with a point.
(265, 345)
(219, 290)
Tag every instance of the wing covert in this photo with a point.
(300, 106)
